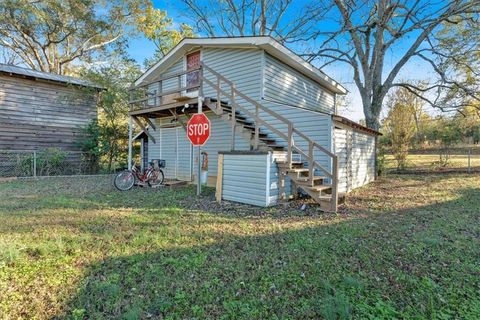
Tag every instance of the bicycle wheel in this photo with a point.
(156, 179)
(124, 181)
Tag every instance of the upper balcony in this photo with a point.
(161, 97)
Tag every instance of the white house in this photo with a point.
(274, 124)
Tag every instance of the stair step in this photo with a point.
(282, 162)
(214, 100)
(238, 116)
(244, 122)
(306, 180)
(273, 145)
(294, 165)
(314, 178)
(266, 139)
(322, 187)
(298, 170)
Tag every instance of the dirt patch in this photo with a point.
(207, 203)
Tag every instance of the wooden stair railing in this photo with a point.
(233, 94)
(140, 95)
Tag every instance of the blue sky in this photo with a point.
(141, 48)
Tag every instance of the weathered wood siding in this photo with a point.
(356, 158)
(38, 115)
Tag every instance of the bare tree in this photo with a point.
(366, 33)
(277, 18)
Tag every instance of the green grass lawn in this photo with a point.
(403, 247)
(430, 162)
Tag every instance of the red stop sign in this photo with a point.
(198, 129)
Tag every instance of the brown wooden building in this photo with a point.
(39, 110)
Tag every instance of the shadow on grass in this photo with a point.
(421, 263)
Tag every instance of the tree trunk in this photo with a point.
(110, 160)
(371, 111)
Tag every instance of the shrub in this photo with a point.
(51, 161)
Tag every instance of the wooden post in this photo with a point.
(257, 128)
(200, 82)
(142, 167)
(469, 159)
(218, 190)
(290, 143)
(334, 183)
(145, 95)
(233, 117)
(160, 89)
(281, 187)
(310, 162)
(34, 163)
(130, 137)
(179, 83)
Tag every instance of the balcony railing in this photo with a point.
(152, 94)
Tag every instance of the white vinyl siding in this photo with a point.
(172, 84)
(184, 157)
(154, 148)
(356, 158)
(284, 84)
(274, 179)
(220, 135)
(241, 66)
(254, 178)
(245, 178)
(317, 126)
(173, 147)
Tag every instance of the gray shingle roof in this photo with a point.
(10, 69)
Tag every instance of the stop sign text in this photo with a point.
(198, 129)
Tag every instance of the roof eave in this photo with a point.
(355, 125)
(265, 43)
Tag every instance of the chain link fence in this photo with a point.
(48, 162)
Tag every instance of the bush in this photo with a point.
(51, 161)
(449, 136)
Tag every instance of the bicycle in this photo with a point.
(153, 176)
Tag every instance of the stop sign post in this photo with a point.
(198, 132)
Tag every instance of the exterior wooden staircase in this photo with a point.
(244, 126)
(302, 174)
